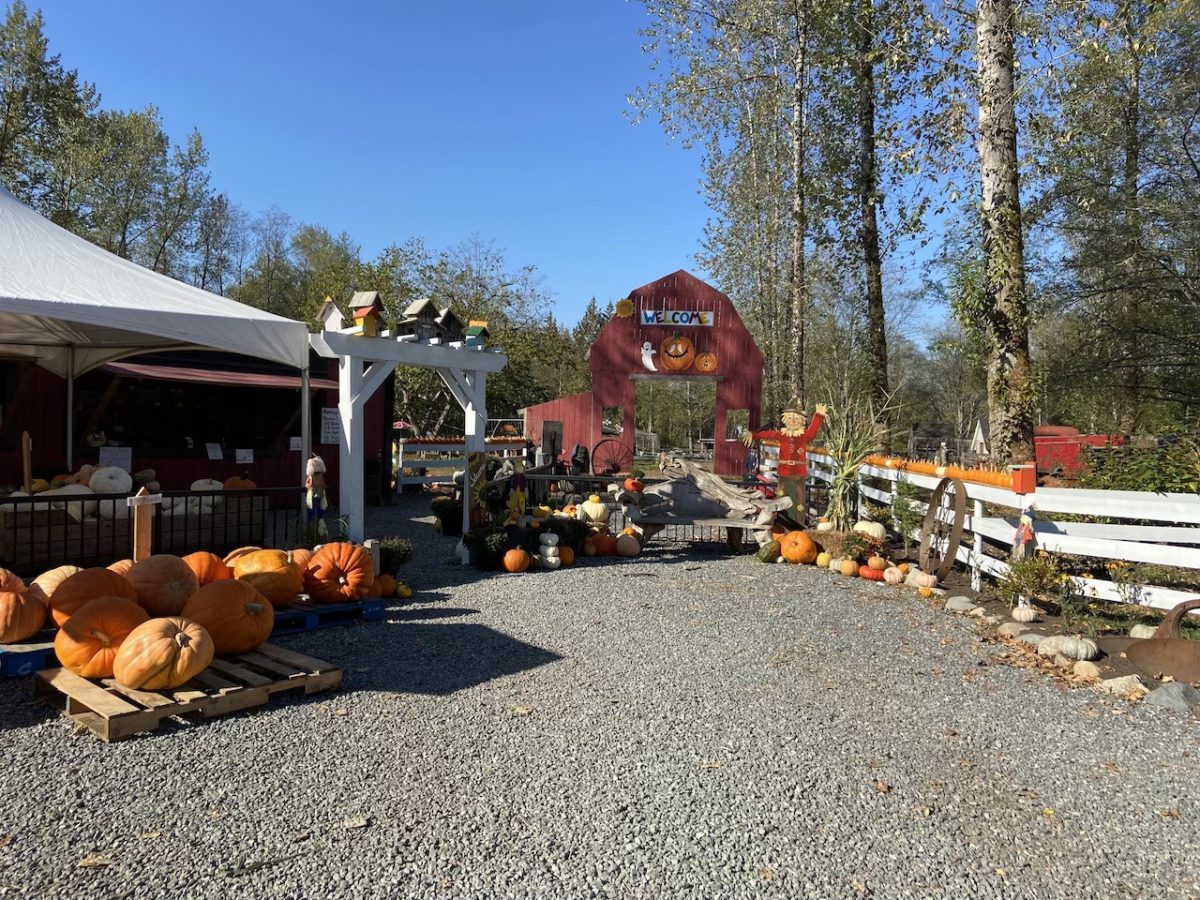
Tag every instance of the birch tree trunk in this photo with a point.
(799, 273)
(868, 194)
(1130, 377)
(1009, 377)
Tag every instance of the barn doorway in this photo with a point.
(675, 415)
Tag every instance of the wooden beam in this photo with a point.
(410, 353)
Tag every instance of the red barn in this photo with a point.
(677, 327)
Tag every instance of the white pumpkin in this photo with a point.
(835, 564)
(1025, 613)
(210, 502)
(1051, 646)
(924, 579)
(871, 529)
(111, 480)
(628, 545)
(112, 509)
(1142, 631)
(824, 526)
(549, 562)
(1079, 647)
(593, 510)
(893, 575)
(548, 540)
(548, 552)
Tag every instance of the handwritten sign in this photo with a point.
(331, 425)
(214, 451)
(294, 443)
(147, 500)
(677, 317)
(243, 456)
(121, 457)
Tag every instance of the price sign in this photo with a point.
(331, 425)
(121, 457)
(147, 500)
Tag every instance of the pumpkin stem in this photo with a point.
(182, 638)
(103, 638)
(254, 608)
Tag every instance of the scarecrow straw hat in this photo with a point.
(794, 406)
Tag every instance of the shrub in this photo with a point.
(393, 553)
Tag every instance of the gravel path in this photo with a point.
(683, 725)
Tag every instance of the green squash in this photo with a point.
(769, 552)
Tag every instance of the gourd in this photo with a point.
(566, 556)
(403, 591)
(768, 552)
(339, 572)
(548, 557)
(925, 580)
(892, 575)
(236, 616)
(877, 562)
(903, 567)
(44, 586)
(593, 510)
(516, 560)
(797, 547)
(1025, 613)
(628, 545)
(110, 480)
(78, 589)
(162, 654)
(208, 567)
(87, 643)
(871, 529)
(22, 615)
(163, 584)
(925, 592)
(870, 573)
(849, 568)
(634, 486)
(272, 573)
(823, 559)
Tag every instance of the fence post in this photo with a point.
(977, 547)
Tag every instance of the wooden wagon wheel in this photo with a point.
(943, 528)
(610, 456)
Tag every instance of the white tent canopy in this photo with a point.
(72, 306)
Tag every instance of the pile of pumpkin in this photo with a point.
(798, 548)
(156, 623)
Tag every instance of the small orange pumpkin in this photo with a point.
(271, 574)
(925, 592)
(339, 572)
(634, 486)
(387, 586)
(78, 589)
(162, 654)
(208, 567)
(163, 584)
(798, 548)
(238, 483)
(605, 544)
(706, 363)
(849, 568)
(22, 615)
(870, 573)
(301, 557)
(87, 643)
(516, 560)
(567, 556)
(877, 562)
(375, 591)
(236, 616)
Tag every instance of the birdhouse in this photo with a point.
(420, 320)
(450, 326)
(367, 310)
(477, 333)
(329, 316)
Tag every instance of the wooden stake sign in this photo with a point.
(26, 448)
(143, 522)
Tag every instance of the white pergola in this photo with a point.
(364, 363)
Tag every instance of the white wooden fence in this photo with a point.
(447, 458)
(1175, 542)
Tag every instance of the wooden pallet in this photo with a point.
(112, 712)
(27, 657)
(304, 615)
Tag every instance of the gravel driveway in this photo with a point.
(687, 724)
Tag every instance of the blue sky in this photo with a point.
(440, 120)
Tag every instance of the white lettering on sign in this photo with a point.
(679, 317)
(147, 500)
(331, 425)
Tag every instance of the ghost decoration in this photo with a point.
(648, 352)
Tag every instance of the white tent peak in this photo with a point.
(60, 293)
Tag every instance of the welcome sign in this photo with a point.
(677, 317)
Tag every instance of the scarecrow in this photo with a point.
(314, 493)
(794, 439)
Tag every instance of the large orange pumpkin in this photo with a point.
(121, 566)
(163, 583)
(10, 581)
(208, 567)
(232, 555)
(677, 353)
(271, 573)
(22, 615)
(88, 642)
(339, 572)
(236, 616)
(706, 363)
(44, 586)
(238, 483)
(301, 557)
(797, 547)
(605, 544)
(516, 560)
(89, 584)
(162, 654)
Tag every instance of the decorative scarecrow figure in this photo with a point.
(1024, 538)
(314, 497)
(794, 439)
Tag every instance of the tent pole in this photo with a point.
(305, 423)
(70, 409)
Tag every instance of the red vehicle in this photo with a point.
(1058, 449)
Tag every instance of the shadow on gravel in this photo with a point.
(422, 614)
(443, 658)
(19, 708)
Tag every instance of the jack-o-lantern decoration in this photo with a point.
(677, 353)
(706, 363)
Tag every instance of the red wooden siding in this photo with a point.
(617, 355)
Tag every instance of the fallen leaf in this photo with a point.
(151, 835)
(340, 711)
(1048, 813)
(5, 840)
(1003, 873)
(883, 787)
(710, 764)
(766, 874)
(356, 822)
(1170, 813)
(966, 763)
(950, 732)
(859, 887)
(925, 811)
(95, 862)
(1111, 766)
(522, 710)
